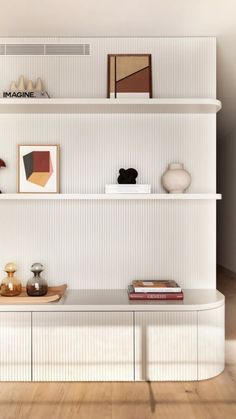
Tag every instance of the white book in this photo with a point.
(156, 286)
(128, 188)
(157, 290)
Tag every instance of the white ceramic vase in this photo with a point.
(176, 179)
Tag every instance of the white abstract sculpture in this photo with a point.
(30, 86)
(13, 87)
(39, 85)
(26, 89)
(21, 84)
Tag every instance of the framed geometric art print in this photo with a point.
(38, 169)
(129, 76)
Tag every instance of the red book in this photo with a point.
(154, 295)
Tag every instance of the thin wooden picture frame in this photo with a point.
(57, 175)
(109, 56)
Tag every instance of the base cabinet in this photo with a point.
(83, 346)
(166, 346)
(15, 346)
(112, 346)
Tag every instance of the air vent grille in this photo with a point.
(45, 49)
(24, 49)
(67, 49)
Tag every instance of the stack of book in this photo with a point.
(155, 290)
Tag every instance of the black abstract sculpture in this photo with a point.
(127, 176)
(2, 164)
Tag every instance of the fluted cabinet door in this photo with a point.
(15, 346)
(166, 346)
(82, 346)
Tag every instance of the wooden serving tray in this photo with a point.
(53, 294)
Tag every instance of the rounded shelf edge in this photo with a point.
(103, 196)
(104, 105)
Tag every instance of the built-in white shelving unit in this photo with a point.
(98, 243)
(125, 197)
(93, 105)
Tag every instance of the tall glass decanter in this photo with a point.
(10, 286)
(37, 286)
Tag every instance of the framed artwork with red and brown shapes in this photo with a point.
(129, 76)
(38, 169)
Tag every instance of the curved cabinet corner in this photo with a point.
(211, 342)
(173, 346)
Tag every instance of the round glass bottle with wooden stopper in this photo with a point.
(10, 286)
(37, 286)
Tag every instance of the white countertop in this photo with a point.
(117, 300)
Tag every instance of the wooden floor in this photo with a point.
(215, 398)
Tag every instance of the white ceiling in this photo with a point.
(136, 18)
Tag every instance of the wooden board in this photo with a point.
(53, 294)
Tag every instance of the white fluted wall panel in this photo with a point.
(95, 147)
(15, 346)
(211, 342)
(106, 244)
(182, 67)
(83, 347)
(166, 346)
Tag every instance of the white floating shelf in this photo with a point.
(74, 105)
(33, 197)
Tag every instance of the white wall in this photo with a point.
(109, 17)
(227, 208)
